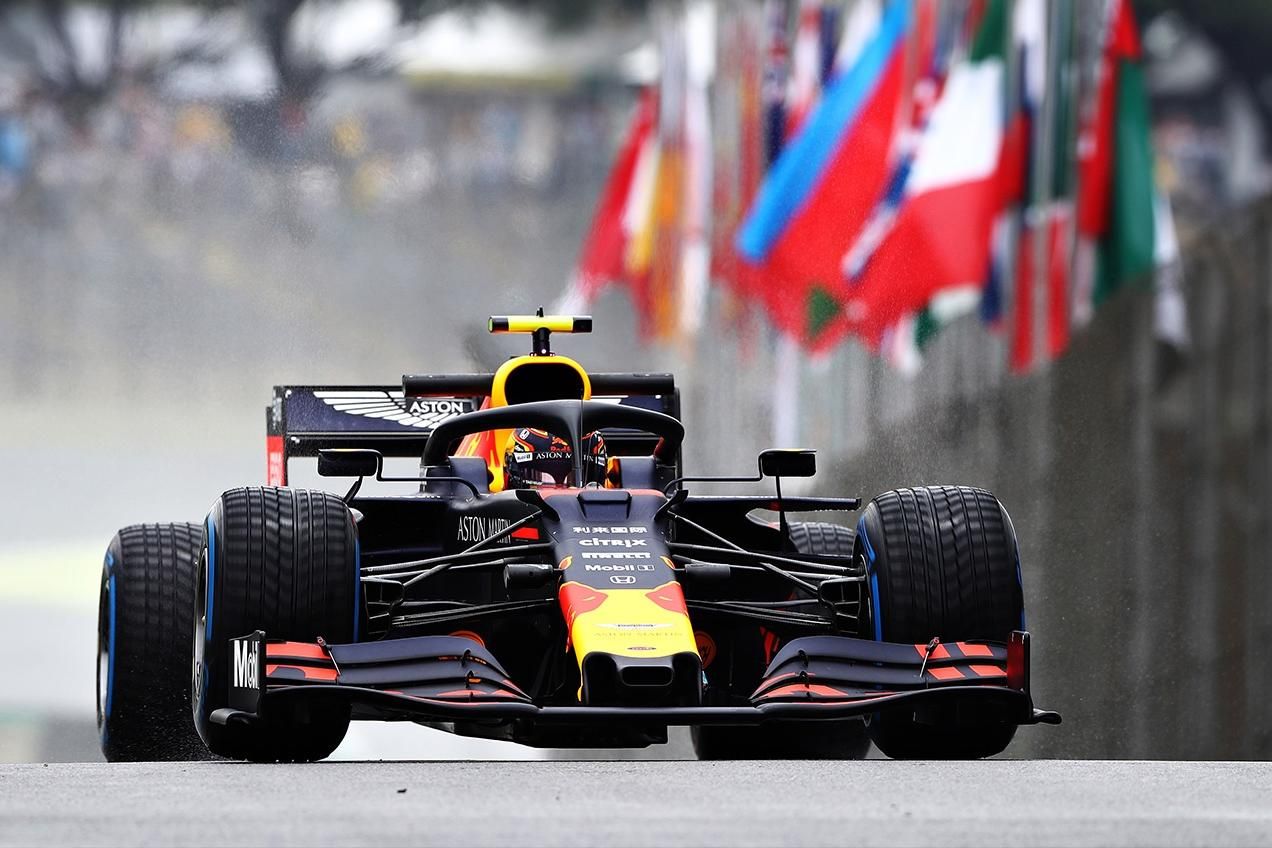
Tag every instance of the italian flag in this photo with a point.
(1115, 199)
(939, 245)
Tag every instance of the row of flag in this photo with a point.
(883, 169)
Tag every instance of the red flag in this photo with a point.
(1095, 153)
(1022, 340)
(826, 183)
(602, 259)
(1059, 220)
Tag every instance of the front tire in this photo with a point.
(283, 561)
(941, 561)
(811, 740)
(143, 645)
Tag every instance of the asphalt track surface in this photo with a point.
(639, 803)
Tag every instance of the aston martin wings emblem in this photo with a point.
(423, 413)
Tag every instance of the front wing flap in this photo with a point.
(453, 678)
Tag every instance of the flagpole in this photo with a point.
(1041, 201)
(1011, 256)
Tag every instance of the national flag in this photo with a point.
(1115, 199)
(776, 71)
(695, 261)
(859, 29)
(1047, 226)
(1030, 40)
(739, 151)
(941, 238)
(946, 307)
(823, 186)
(930, 46)
(806, 66)
(602, 259)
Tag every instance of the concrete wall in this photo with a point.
(1138, 479)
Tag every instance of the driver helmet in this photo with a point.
(534, 458)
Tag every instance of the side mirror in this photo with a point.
(788, 462)
(348, 462)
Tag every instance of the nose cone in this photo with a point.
(668, 681)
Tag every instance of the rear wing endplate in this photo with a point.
(397, 420)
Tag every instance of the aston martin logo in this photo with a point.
(424, 413)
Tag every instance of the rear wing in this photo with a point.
(397, 420)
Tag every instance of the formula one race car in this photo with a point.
(551, 579)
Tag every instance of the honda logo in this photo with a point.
(622, 579)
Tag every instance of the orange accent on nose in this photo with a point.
(945, 673)
(669, 596)
(577, 599)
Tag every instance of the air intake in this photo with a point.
(672, 681)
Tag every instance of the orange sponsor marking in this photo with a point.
(461, 694)
(577, 599)
(940, 652)
(988, 671)
(706, 647)
(970, 650)
(669, 596)
(809, 689)
(530, 533)
(468, 634)
(945, 673)
(307, 673)
(296, 650)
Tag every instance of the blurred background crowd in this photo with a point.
(201, 200)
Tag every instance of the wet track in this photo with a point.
(639, 803)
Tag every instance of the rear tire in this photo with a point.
(283, 561)
(942, 561)
(814, 740)
(143, 642)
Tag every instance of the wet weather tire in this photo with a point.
(814, 740)
(941, 561)
(283, 561)
(144, 612)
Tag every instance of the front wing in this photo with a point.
(453, 678)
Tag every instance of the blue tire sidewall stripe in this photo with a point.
(208, 607)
